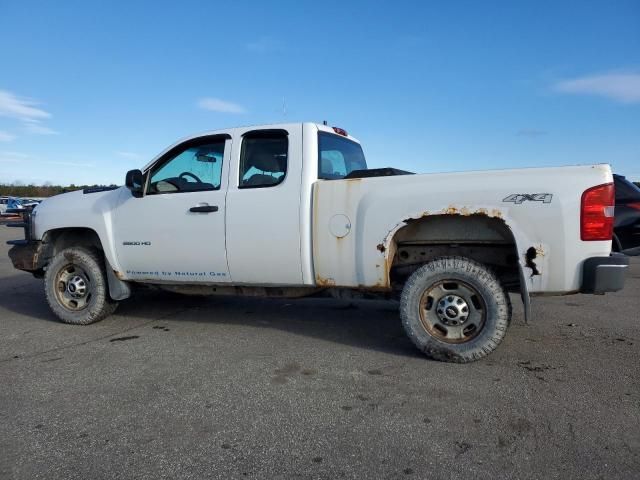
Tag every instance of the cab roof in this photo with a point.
(234, 131)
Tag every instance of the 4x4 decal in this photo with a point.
(518, 198)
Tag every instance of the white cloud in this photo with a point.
(20, 108)
(71, 164)
(217, 105)
(264, 45)
(26, 111)
(620, 87)
(13, 157)
(531, 132)
(129, 155)
(38, 128)
(6, 136)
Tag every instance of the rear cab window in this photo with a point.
(263, 159)
(338, 156)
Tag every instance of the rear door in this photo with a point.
(263, 207)
(176, 231)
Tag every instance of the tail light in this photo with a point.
(340, 131)
(596, 213)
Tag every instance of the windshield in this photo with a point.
(338, 156)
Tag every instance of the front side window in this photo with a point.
(263, 160)
(338, 156)
(191, 169)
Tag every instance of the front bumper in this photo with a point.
(26, 255)
(604, 274)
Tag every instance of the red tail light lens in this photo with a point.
(596, 213)
(340, 131)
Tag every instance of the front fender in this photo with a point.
(79, 210)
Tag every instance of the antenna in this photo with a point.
(284, 107)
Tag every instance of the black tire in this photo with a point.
(82, 270)
(430, 327)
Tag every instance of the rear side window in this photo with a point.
(263, 159)
(338, 156)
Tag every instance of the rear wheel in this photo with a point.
(455, 309)
(76, 287)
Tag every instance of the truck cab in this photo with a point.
(239, 201)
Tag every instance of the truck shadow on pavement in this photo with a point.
(368, 324)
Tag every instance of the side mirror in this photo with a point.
(135, 182)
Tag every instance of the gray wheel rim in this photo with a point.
(452, 311)
(73, 287)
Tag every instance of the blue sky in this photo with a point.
(89, 89)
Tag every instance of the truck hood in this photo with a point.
(78, 209)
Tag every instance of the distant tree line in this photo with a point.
(41, 190)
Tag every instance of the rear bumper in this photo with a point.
(604, 274)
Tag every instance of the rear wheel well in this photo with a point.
(487, 240)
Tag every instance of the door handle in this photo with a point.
(204, 209)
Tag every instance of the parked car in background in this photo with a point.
(626, 227)
(3, 205)
(14, 203)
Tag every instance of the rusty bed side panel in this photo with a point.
(339, 260)
(378, 208)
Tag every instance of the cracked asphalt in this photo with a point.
(187, 387)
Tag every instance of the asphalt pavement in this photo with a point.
(221, 387)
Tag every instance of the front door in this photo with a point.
(176, 231)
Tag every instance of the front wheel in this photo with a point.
(76, 287)
(455, 309)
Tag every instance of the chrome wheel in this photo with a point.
(452, 311)
(73, 287)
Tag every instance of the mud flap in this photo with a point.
(118, 289)
(524, 294)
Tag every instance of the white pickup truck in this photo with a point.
(292, 210)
